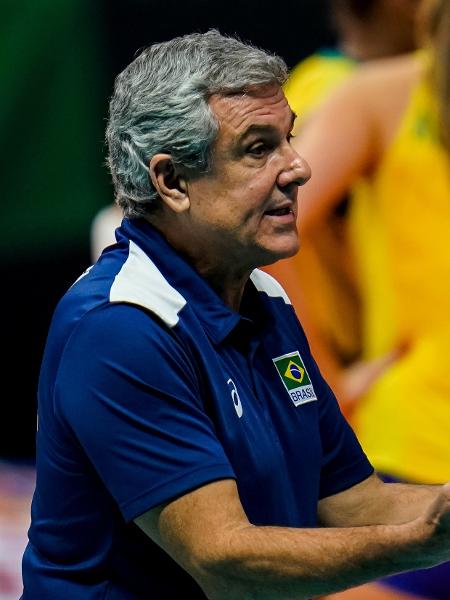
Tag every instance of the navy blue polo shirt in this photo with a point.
(150, 387)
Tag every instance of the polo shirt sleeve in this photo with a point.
(344, 462)
(128, 391)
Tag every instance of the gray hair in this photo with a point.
(160, 104)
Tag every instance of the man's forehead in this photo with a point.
(256, 106)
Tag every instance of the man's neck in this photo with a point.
(229, 288)
(227, 279)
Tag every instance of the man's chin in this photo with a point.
(273, 256)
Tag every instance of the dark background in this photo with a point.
(57, 62)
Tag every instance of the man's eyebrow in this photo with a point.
(264, 128)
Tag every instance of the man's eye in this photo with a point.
(257, 150)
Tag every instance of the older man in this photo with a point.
(187, 443)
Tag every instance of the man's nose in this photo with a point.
(296, 172)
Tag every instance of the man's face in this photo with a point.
(245, 210)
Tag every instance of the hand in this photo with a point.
(356, 380)
(438, 514)
(437, 526)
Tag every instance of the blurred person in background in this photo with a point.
(102, 230)
(387, 129)
(366, 30)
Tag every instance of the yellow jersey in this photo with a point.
(400, 230)
(314, 78)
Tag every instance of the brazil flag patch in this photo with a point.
(295, 378)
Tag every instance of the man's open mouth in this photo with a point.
(278, 212)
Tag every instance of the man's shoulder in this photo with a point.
(267, 284)
(141, 283)
(125, 278)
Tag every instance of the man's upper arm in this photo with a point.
(195, 528)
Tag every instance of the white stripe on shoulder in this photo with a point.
(266, 283)
(140, 282)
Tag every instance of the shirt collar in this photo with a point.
(216, 317)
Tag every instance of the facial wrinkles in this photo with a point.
(236, 114)
(239, 110)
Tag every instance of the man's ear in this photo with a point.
(170, 186)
